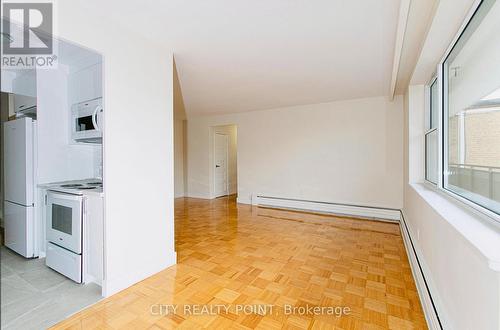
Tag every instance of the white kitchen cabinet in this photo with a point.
(86, 84)
(25, 83)
(23, 102)
(93, 239)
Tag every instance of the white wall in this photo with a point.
(179, 158)
(179, 136)
(465, 289)
(138, 143)
(232, 166)
(346, 152)
(456, 245)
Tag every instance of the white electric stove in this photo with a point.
(65, 214)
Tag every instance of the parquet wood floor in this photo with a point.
(237, 255)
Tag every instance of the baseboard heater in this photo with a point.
(428, 304)
(367, 212)
(370, 212)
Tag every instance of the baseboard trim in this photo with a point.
(370, 212)
(424, 292)
(240, 200)
(373, 213)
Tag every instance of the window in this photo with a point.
(471, 110)
(431, 136)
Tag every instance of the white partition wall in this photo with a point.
(138, 143)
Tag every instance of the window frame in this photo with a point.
(428, 126)
(442, 127)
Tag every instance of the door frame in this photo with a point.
(214, 193)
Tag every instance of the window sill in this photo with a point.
(480, 231)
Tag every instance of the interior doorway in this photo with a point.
(224, 161)
(221, 154)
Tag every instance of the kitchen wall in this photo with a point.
(58, 158)
(345, 152)
(138, 143)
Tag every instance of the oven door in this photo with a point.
(64, 220)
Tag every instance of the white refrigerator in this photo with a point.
(19, 197)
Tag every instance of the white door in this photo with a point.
(221, 144)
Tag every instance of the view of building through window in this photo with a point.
(474, 146)
(472, 114)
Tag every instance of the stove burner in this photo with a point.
(71, 185)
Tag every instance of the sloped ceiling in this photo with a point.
(243, 55)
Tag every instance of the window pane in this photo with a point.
(434, 108)
(431, 156)
(472, 110)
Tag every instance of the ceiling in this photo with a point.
(247, 55)
(242, 55)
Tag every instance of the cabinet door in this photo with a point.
(23, 102)
(40, 222)
(97, 80)
(86, 84)
(93, 233)
(25, 83)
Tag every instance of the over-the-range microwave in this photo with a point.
(86, 121)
